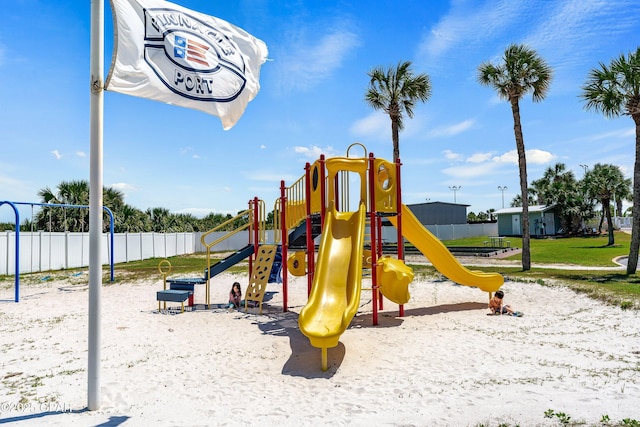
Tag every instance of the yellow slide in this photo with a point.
(441, 258)
(335, 294)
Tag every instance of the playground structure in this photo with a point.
(318, 204)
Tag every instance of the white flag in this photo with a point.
(171, 54)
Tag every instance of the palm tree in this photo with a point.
(521, 71)
(490, 213)
(160, 219)
(614, 90)
(395, 91)
(516, 202)
(558, 186)
(606, 183)
(131, 220)
(114, 200)
(74, 192)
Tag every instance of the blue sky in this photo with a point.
(312, 101)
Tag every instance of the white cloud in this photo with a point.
(479, 157)
(262, 147)
(539, 157)
(565, 33)
(189, 151)
(376, 124)
(124, 187)
(451, 130)
(629, 132)
(467, 171)
(461, 26)
(580, 25)
(486, 163)
(451, 155)
(81, 154)
(534, 156)
(510, 157)
(313, 152)
(56, 154)
(311, 59)
(496, 100)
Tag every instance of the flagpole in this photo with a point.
(95, 203)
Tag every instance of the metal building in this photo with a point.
(440, 213)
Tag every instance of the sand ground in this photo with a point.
(445, 363)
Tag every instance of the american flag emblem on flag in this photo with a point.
(191, 50)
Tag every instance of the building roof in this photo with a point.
(437, 203)
(532, 209)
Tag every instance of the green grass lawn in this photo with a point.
(616, 288)
(589, 251)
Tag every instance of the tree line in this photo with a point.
(127, 219)
(601, 192)
(576, 200)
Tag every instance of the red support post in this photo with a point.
(256, 226)
(310, 244)
(373, 230)
(323, 191)
(283, 241)
(379, 228)
(250, 238)
(399, 209)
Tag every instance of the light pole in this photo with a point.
(502, 189)
(455, 189)
(585, 167)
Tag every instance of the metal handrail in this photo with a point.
(277, 211)
(295, 204)
(229, 234)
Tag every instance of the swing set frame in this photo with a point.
(14, 206)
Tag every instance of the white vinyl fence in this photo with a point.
(44, 251)
(621, 221)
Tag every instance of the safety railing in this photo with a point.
(220, 227)
(295, 203)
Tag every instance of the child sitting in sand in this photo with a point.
(235, 296)
(496, 306)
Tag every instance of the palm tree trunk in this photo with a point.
(524, 189)
(601, 221)
(607, 211)
(632, 262)
(395, 136)
(619, 207)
